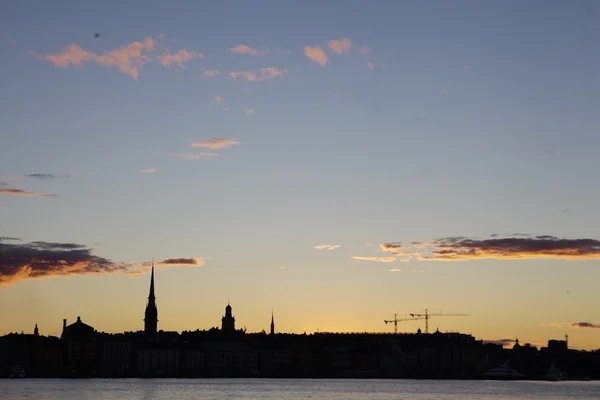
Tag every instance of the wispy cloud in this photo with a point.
(467, 67)
(327, 246)
(391, 247)
(129, 59)
(215, 143)
(211, 73)
(316, 55)
(180, 58)
(341, 46)
(375, 259)
(585, 325)
(45, 176)
(216, 100)
(191, 156)
(371, 65)
(264, 74)
(247, 50)
(150, 170)
(445, 91)
(544, 246)
(182, 262)
(249, 111)
(395, 270)
(562, 325)
(364, 50)
(5, 190)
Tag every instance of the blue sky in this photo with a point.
(464, 118)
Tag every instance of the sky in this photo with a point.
(334, 162)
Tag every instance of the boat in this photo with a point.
(503, 372)
(554, 374)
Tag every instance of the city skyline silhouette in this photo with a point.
(344, 164)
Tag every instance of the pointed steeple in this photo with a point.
(151, 314)
(36, 331)
(272, 323)
(151, 295)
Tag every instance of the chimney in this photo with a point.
(64, 323)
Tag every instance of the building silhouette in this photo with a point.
(151, 314)
(228, 321)
(272, 324)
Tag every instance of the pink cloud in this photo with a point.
(316, 55)
(364, 50)
(128, 59)
(242, 49)
(341, 46)
(18, 192)
(178, 58)
(215, 143)
(467, 67)
(249, 111)
(264, 75)
(371, 65)
(211, 73)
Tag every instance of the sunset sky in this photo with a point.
(338, 162)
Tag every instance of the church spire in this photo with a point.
(151, 314)
(151, 295)
(272, 323)
(36, 331)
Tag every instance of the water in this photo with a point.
(207, 389)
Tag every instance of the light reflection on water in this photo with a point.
(284, 389)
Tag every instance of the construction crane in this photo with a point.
(426, 317)
(396, 320)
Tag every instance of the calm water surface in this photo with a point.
(186, 389)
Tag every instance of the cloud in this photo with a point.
(562, 325)
(395, 270)
(242, 49)
(45, 259)
(538, 247)
(216, 100)
(211, 73)
(182, 262)
(371, 65)
(341, 46)
(191, 156)
(467, 67)
(265, 74)
(327, 246)
(180, 58)
(584, 325)
(316, 55)
(41, 259)
(391, 247)
(215, 143)
(150, 170)
(3, 184)
(445, 91)
(18, 192)
(364, 50)
(249, 111)
(375, 259)
(46, 176)
(128, 59)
